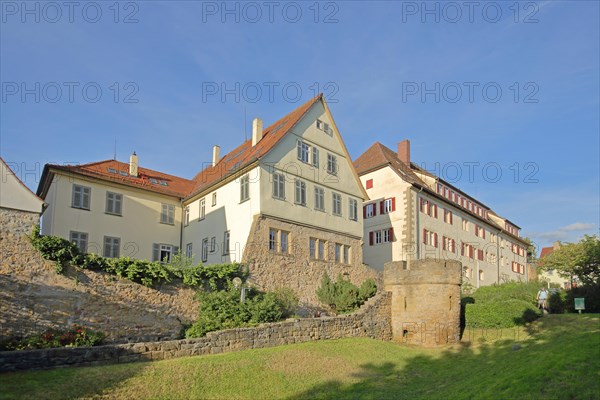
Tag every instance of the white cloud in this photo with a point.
(577, 227)
(564, 233)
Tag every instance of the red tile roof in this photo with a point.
(546, 251)
(175, 186)
(245, 154)
(232, 162)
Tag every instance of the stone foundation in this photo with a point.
(296, 270)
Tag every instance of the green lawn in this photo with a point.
(559, 357)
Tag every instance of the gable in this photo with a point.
(15, 195)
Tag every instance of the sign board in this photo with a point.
(579, 303)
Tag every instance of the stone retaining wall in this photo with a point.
(372, 320)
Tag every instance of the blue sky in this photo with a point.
(503, 87)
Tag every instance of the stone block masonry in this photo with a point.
(33, 297)
(372, 321)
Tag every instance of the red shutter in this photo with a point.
(453, 246)
(369, 183)
(393, 204)
(428, 208)
(462, 249)
(391, 234)
(434, 211)
(483, 231)
(370, 238)
(435, 242)
(364, 212)
(381, 207)
(450, 217)
(471, 251)
(425, 236)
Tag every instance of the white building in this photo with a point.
(413, 215)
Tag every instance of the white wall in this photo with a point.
(139, 227)
(13, 194)
(227, 214)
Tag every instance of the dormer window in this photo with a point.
(324, 126)
(112, 170)
(154, 181)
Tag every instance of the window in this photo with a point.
(278, 186)
(244, 188)
(113, 203)
(112, 246)
(202, 209)
(186, 216)
(381, 236)
(188, 250)
(479, 231)
(205, 250)
(369, 183)
(324, 126)
(332, 164)
(492, 237)
(337, 204)
(303, 151)
(467, 250)
(388, 205)
(81, 197)
(315, 157)
(346, 253)
(480, 254)
(319, 199)
(214, 199)
(353, 209)
(167, 214)
(369, 211)
(338, 252)
(481, 275)
(226, 237)
(448, 244)
(427, 207)
(272, 240)
(300, 194)
(316, 248)
(163, 252)
(430, 238)
(284, 242)
(79, 239)
(465, 225)
(213, 244)
(448, 216)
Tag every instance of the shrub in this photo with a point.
(343, 296)
(557, 302)
(147, 273)
(222, 309)
(591, 294)
(76, 336)
(501, 314)
(501, 306)
(288, 300)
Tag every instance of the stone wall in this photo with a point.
(425, 301)
(297, 270)
(33, 297)
(372, 320)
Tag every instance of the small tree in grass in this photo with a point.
(343, 296)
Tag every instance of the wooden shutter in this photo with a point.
(393, 203)
(434, 211)
(370, 238)
(450, 217)
(364, 212)
(381, 204)
(435, 240)
(425, 236)
(391, 233)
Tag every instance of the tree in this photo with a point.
(531, 250)
(581, 260)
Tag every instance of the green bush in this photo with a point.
(591, 294)
(343, 296)
(147, 273)
(501, 306)
(288, 300)
(222, 309)
(557, 302)
(76, 336)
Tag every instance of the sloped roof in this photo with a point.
(378, 156)
(546, 251)
(15, 194)
(245, 154)
(173, 186)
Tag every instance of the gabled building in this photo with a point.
(114, 209)
(285, 202)
(413, 214)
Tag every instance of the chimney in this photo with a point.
(404, 151)
(257, 130)
(216, 155)
(133, 165)
(556, 245)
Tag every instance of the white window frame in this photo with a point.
(370, 210)
(114, 203)
(278, 186)
(387, 206)
(202, 209)
(303, 151)
(81, 197)
(300, 192)
(204, 255)
(226, 242)
(352, 209)
(319, 198)
(336, 204)
(214, 199)
(167, 214)
(332, 164)
(186, 216)
(244, 188)
(188, 250)
(114, 250)
(79, 239)
(315, 157)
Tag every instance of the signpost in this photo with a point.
(579, 304)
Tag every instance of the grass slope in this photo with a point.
(559, 359)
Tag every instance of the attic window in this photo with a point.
(112, 170)
(164, 183)
(123, 173)
(152, 180)
(324, 126)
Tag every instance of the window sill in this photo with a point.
(279, 198)
(114, 214)
(243, 201)
(167, 223)
(80, 208)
